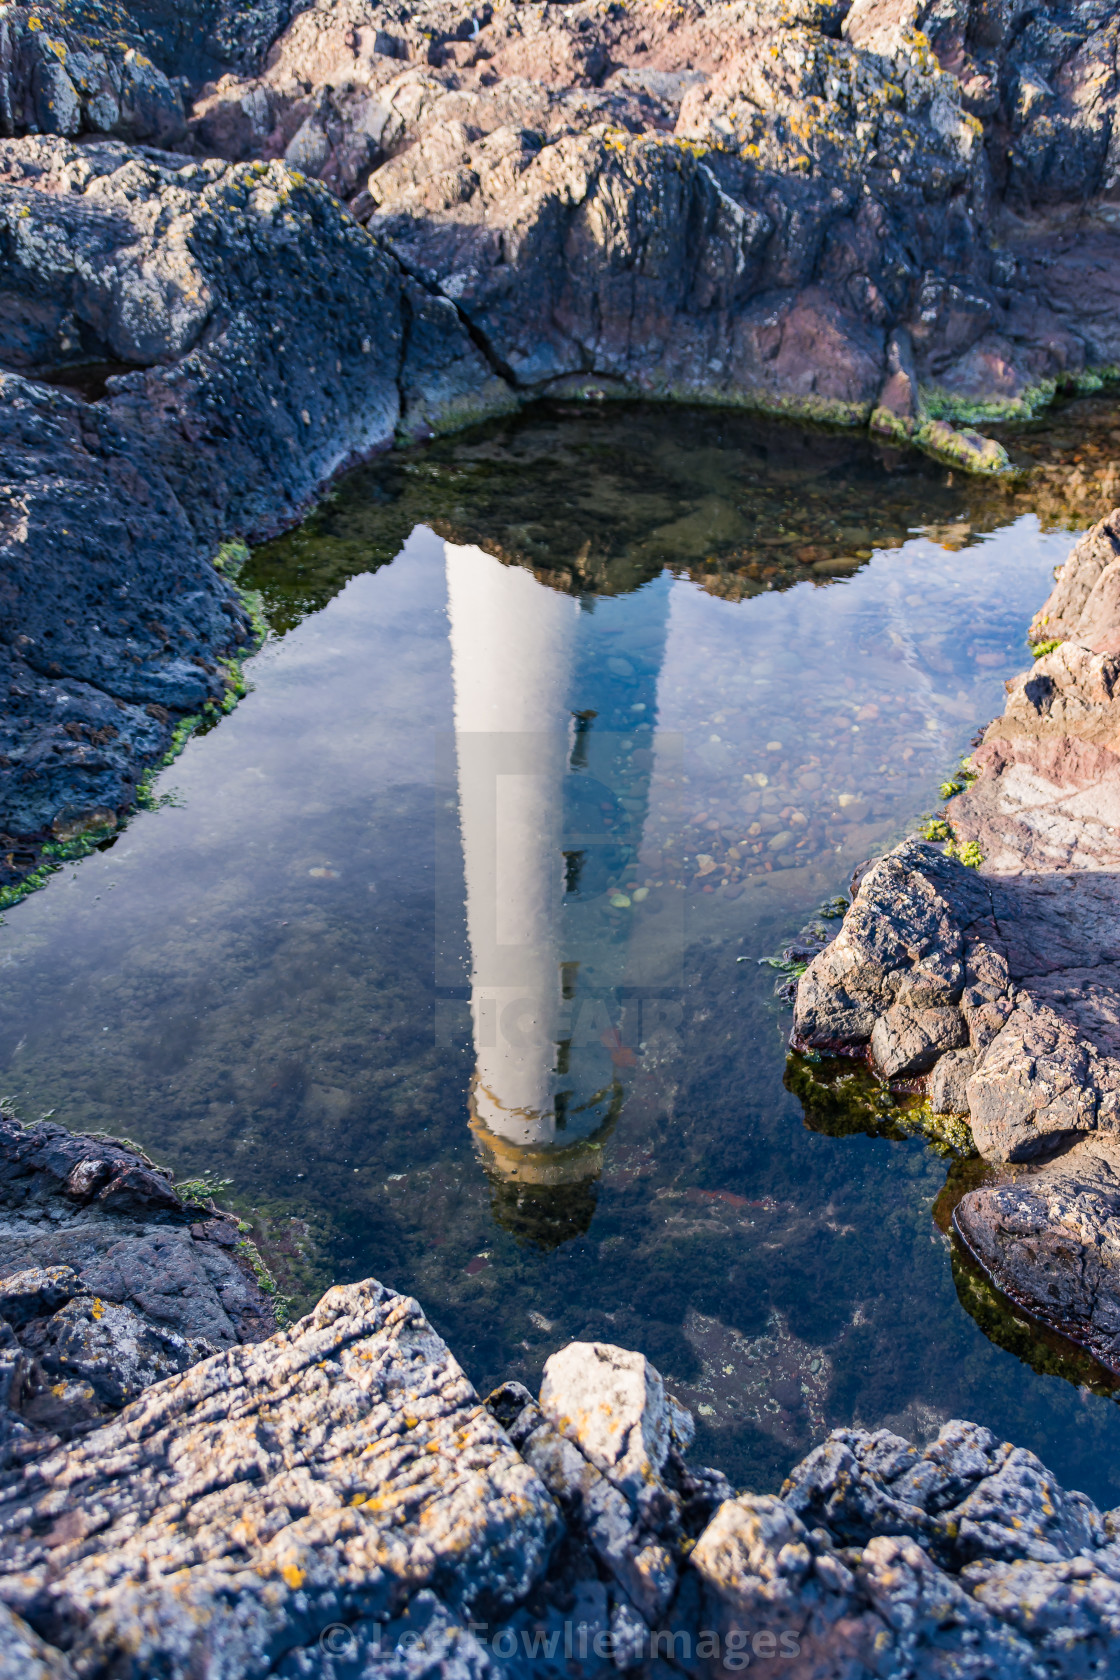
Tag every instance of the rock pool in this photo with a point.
(451, 941)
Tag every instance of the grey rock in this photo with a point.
(948, 1085)
(933, 956)
(966, 1496)
(83, 70)
(110, 1347)
(36, 1293)
(901, 943)
(266, 335)
(907, 1040)
(24, 1656)
(109, 1281)
(1041, 987)
(612, 1404)
(236, 1512)
(334, 1504)
(1050, 1240)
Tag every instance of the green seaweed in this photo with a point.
(840, 1097)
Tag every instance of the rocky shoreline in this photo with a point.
(995, 986)
(246, 245)
(187, 1490)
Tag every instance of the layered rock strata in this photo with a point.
(999, 987)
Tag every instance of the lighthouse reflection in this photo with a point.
(556, 745)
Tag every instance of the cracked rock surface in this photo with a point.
(839, 210)
(336, 1502)
(252, 339)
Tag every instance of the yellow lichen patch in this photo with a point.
(97, 1310)
(293, 1575)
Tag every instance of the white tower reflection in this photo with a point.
(545, 947)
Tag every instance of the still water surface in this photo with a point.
(450, 939)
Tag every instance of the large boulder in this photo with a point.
(237, 1512)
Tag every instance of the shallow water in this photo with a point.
(449, 938)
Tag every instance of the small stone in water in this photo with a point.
(773, 746)
(640, 893)
(322, 874)
(619, 901)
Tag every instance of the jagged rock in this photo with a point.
(1092, 554)
(265, 335)
(932, 954)
(853, 162)
(36, 1293)
(109, 1281)
(82, 70)
(966, 1496)
(334, 1504)
(907, 1040)
(605, 1474)
(948, 1084)
(901, 943)
(612, 1404)
(236, 1512)
(1050, 1240)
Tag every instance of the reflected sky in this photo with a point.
(448, 942)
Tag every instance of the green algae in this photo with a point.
(842, 1097)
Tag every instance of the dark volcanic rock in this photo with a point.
(107, 1284)
(738, 202)
(814, 213)
(81, 69)
(269, 343)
